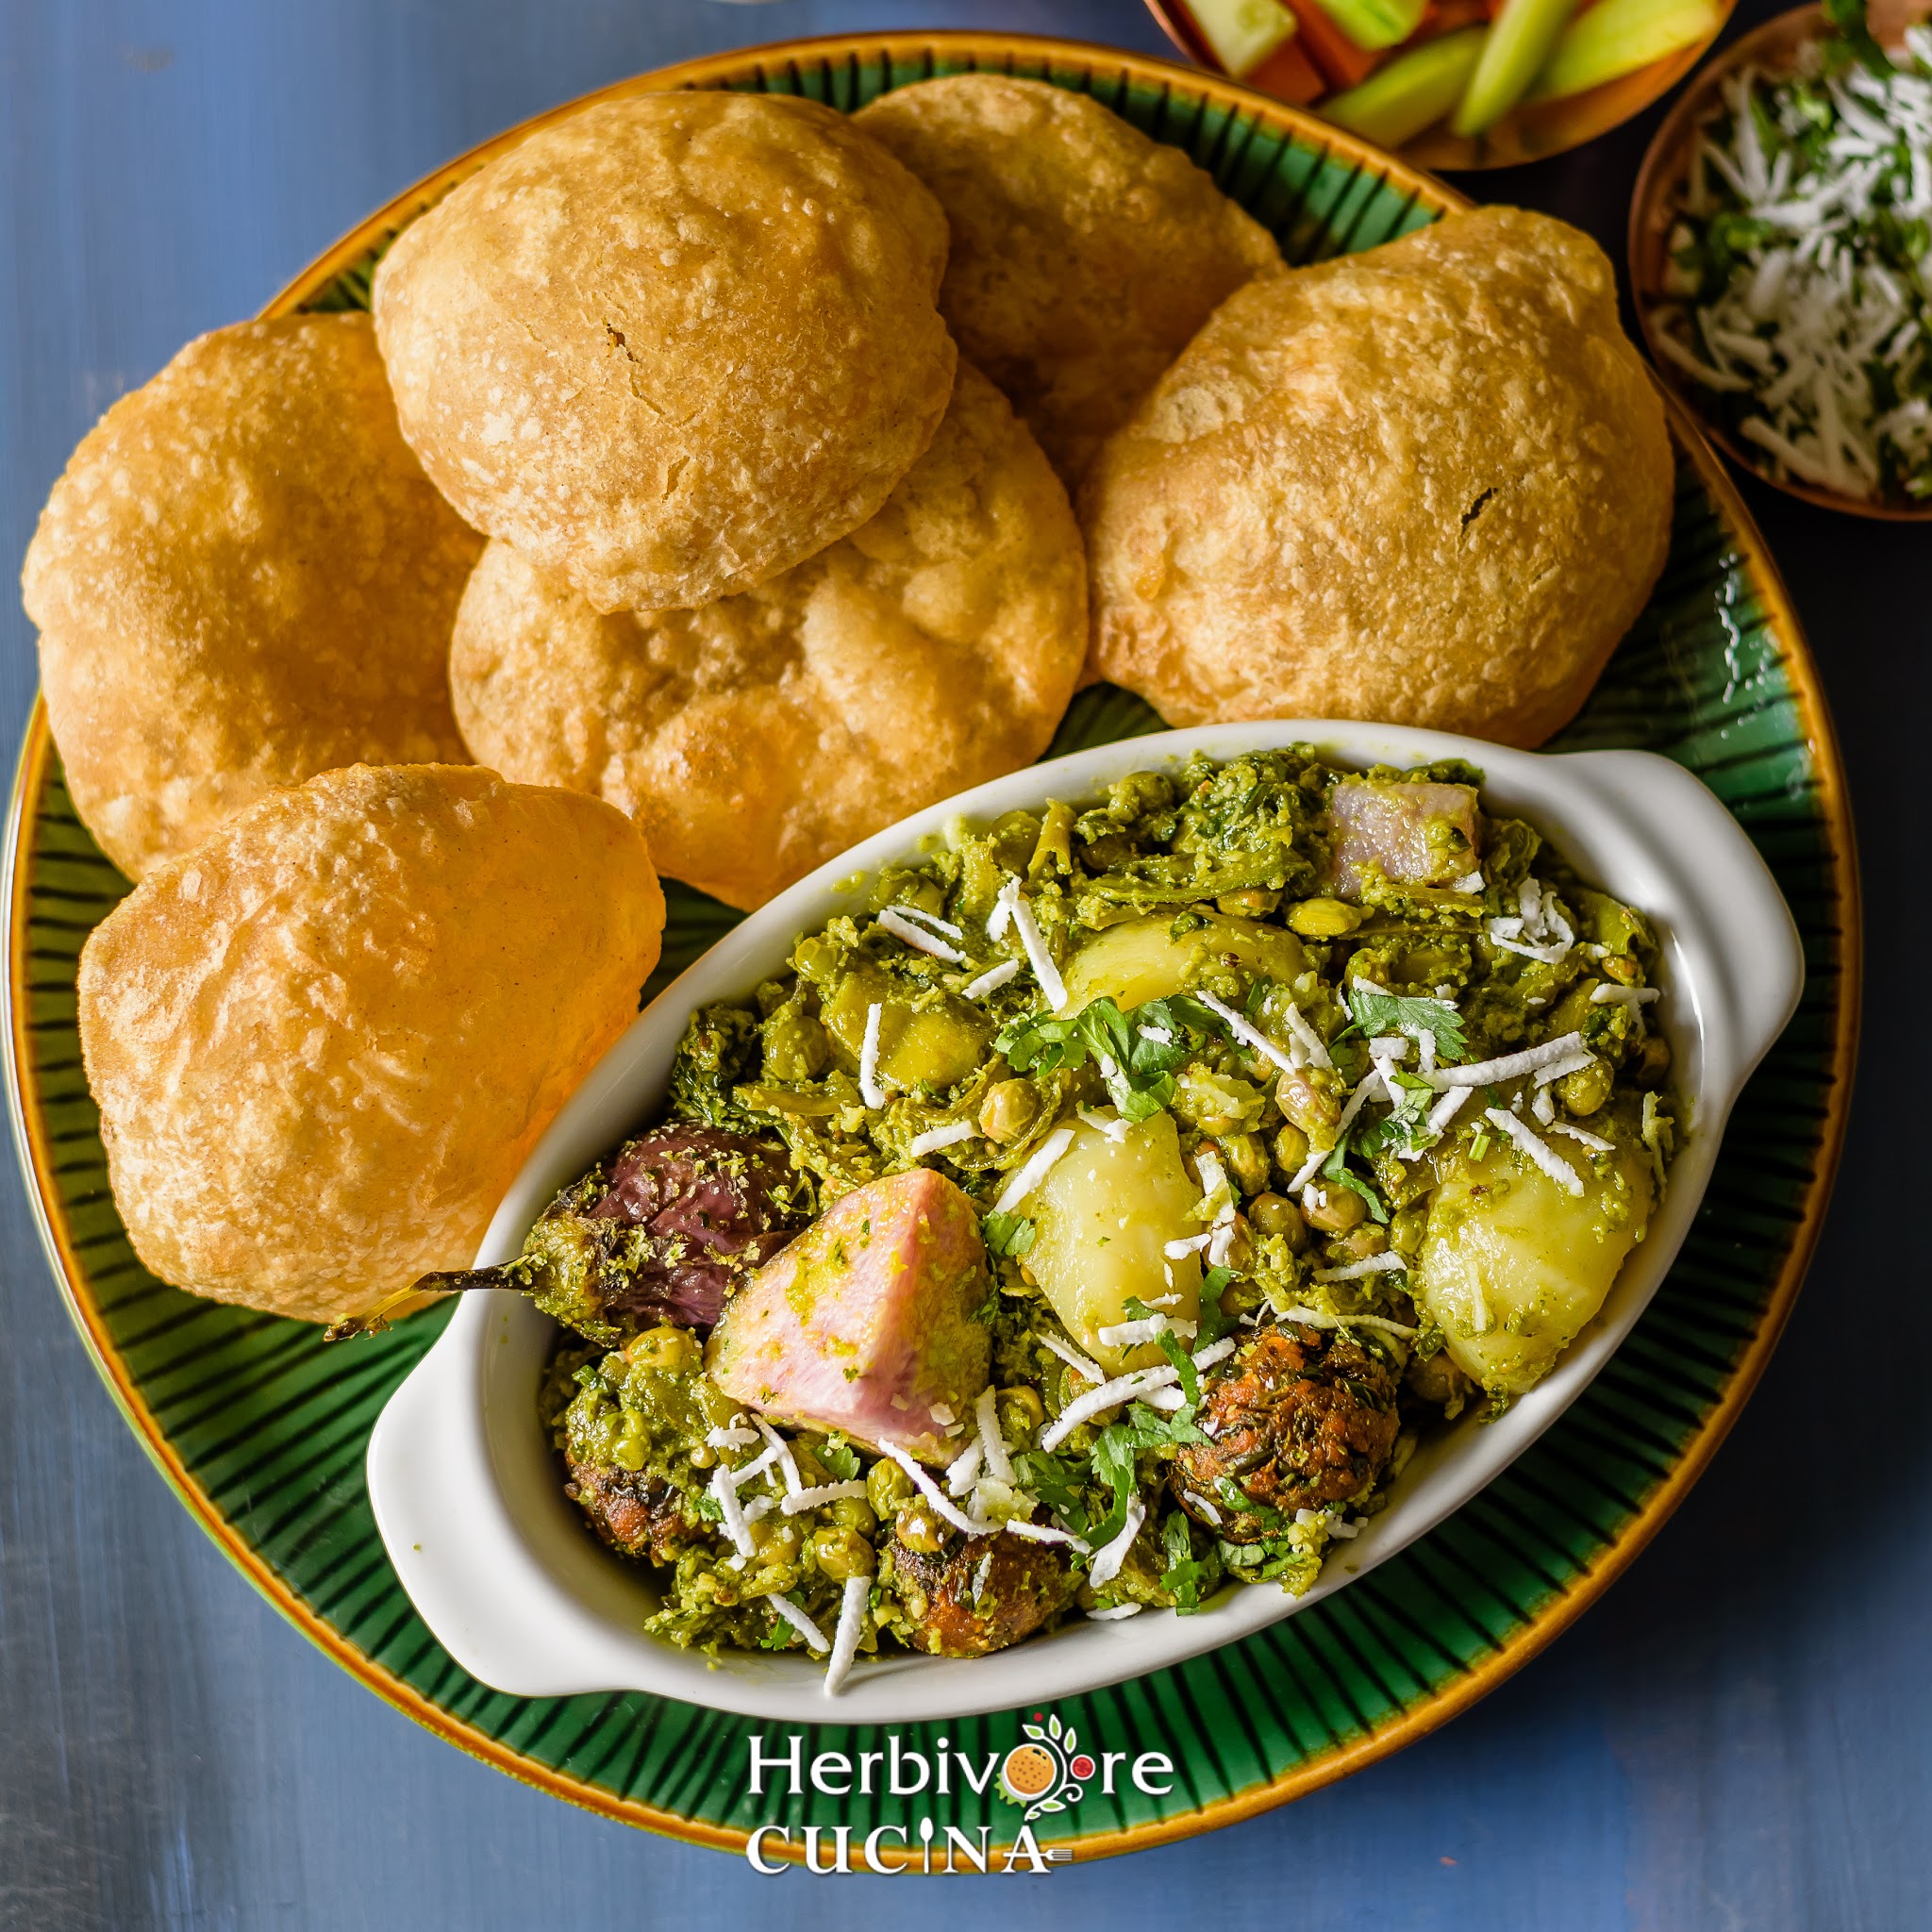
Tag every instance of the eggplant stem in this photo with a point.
(455, 1281)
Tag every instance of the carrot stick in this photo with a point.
(1329, 48)
(1289, 74)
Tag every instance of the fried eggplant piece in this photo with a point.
(980, 1596)
(664, 1233)
(1301, 1420)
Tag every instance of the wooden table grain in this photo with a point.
(1736, 1737)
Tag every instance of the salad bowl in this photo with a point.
(462, 1477)
(1773, 49)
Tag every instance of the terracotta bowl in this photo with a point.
(1528, 134)
(1774, 46)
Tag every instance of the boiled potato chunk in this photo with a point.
(1513, 1266)
(1103, 1216)
(939, 1043)
(1140, 961)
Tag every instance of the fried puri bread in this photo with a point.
(1084, 254)
(1429, 484)
(324, 1042)
(244, 579)
(752, 739)
(673, 345)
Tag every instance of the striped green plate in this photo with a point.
(262, 1431)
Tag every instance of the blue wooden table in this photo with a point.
(1736, 1737)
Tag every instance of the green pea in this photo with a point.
(1008, 1110)
(854, 1512)
(1248, 1160)
(1254, 903)
(1276, 1214)
(1323, 919)
(669, 1350)
(1290, 1150)
(841, 1553)
(920, 1529)
(1342, 1209)
(1587, 1089)
(1021, 1415)
(887, 1486)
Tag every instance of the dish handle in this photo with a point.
(1679, 847)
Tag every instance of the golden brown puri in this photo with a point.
(673, 345)
(752, 740)
(243, 578)
(323, 1043)
(1084, 254)
(1429, 484)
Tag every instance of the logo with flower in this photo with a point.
(1048, 1772)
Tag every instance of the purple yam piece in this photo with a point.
(867, 1322)
(1416, 835)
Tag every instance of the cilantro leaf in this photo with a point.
(1846, 19)
(1154, 1430)
(1214, 1324)
(1182, 1362)
(1010, 1235)
(1115, 1463)
(1185, 1574)
(1336, 1169)
(1048, 1478)
(1236, 1498)
(840, 1458)
(781, 1636)
(1406, 1130)
(1377, 1013)
(1139, 1071)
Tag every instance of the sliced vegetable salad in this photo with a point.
(1389, 70)
(1096, 1219)
(1799, 264)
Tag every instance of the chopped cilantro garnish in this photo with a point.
(1139, 1071)
(840, 1457)
(1048, 1478)
(1377, 1013)
(1115, 1464)
(1214, 1324)
(1846, 19)
(1185, 1572)
(1236, 1498)
(782, 1636)
(1336, 1171)
(1171, 1346)
(1010, 1235)
(1406, 1130)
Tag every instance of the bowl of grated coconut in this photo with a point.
(1781, 255)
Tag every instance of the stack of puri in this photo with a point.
(762, 657)
(704, 476)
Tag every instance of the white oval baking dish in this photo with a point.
(465, 1487)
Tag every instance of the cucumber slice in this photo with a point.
(1412, 92)
(1617, 37)
(1375, 24)
(1242, 33)
(1519, 43)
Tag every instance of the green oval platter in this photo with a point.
(262, 1431)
